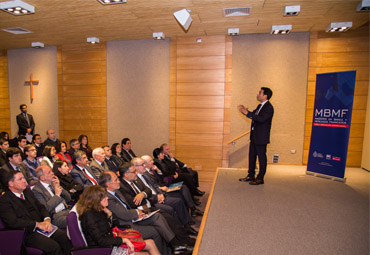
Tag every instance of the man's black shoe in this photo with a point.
(247, 179)
(196, 212)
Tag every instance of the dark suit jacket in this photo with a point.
(23, 124)
(14, 213)
(126, 157)
(130, 194)
(7, 167)
(52, 143)
(3, 158)
(80, 177)
(124, 215)
(261, 123)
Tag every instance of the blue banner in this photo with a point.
(331, 123)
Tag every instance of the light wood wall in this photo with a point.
(200, 86)
(82, 92)
(4, 93)
(341, 52)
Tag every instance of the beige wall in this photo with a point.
(281, 63)
(138, 93)
(44, 108)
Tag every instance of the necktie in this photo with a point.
(90, 178)
(17, 168)
(102, 165)
(258, 109)
(52, 188)
(121, 200)
(22, 197)
(134, 187)
(149, 185)
(28, 121)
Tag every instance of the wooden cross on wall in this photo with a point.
(31, 82)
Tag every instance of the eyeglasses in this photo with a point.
(132, 172)
(140, 165)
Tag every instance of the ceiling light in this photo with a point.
(292, 10)
(338, 27)
(92, 40)
(233, 31)
(158, 35)
(104, 2)
(17, 7)
(281, 29)
(183, 17)
(363, 6)
(37, 45)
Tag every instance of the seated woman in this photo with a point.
(97, 221)
(61, 153)
(61, 171)
(84, 146)
(49, 156)
(116, 154)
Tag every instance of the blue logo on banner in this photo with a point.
(331, 123)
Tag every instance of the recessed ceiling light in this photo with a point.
(158, 35)
(37, 45)
(292, 10)
(338, 26)
(281, 29)
(105, 2)
(17, 7)
(92, 40)
(233, 31)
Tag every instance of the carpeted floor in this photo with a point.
(292, 213)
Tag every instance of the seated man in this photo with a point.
(15, 163)
(52, 139)
(81, 172)
(31, 162)
(98, 165)
(127, 153)
(155, 227)
(108, 159)
(49, 193)
(4, 146)
(39, 145)
(22, 142)
(20, 209)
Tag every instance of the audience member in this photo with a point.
(127, 153)
(52, 139)
(31, 162)
(117, 154)
(49, 193)
(14, 158)
(4, 146)
(49, 156)
(22, 142)
(4, 135)
(108, 159)
(97, 221)
(37, 141)
(61, 171)
(26, 124)
(74, 145)
(81, 172)
(84, 146)
(149, 227)
(98, 164)
(63, 155)
(19, 209)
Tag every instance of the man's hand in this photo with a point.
(44, 226)
(57, 188)
(176, 175)
(243, 109)
(160, 199)
(29, 131)
(138, 198)
(164, 188)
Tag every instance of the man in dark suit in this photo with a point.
(81, 173)
(74, 146)
(259, 136)
(15, 163)
(108, 159)
(127, 153)
(22, 142)
(25, 121)
(4, 146)
(49, 193)
(20, 209)
(39, 145)
(52, 139)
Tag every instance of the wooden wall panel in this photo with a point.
(82, 97)
(342, 52)
(4, 94)
(200, 102)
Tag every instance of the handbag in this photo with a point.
(132, 235)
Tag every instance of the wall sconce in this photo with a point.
(92, 40)
(233, 31)
(183, 17)
(338, 27)
(37, 45)
(158, 36)
(292, 10)
(104, 2)
(17, 7)
(281, 29)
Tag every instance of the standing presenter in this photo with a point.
(259, 136)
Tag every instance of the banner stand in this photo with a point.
(333, 178)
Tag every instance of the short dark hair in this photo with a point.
(11, 152)
(72, 141)
(267, 92)
(105, 178)
(156, 152)
(78, 154)
(104, 146)
(125, 140)
(162, 145)
(124, 167)
(34, 137)
(21, 106)
(20, 138)
(2, 141)
(6, 177)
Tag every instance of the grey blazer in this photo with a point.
(97, 169)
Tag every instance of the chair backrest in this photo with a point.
(74, 230)
(2, 225)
